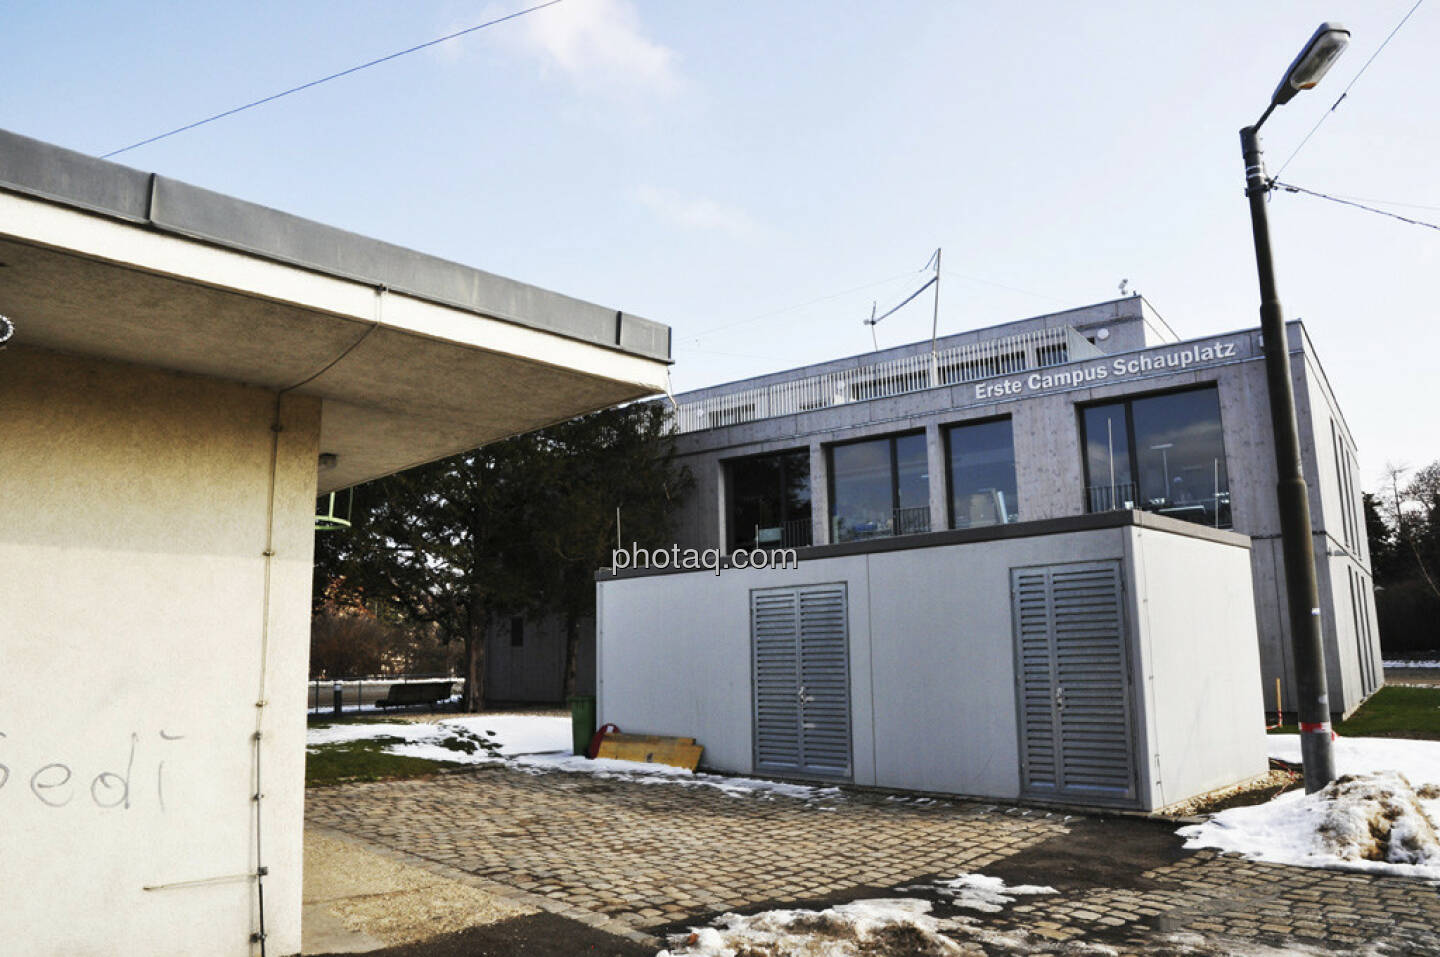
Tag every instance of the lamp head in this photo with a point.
(1320, 53)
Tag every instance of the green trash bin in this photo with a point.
(582, 720)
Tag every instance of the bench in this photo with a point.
(415, 693)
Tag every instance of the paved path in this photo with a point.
(645, 859)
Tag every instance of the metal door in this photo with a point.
(801, 673)
(1073, 683)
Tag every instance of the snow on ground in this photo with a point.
(538, 744)
(1380, 816)
(1426, 663)
(901, 927)
(986, 894)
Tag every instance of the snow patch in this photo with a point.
(540, 744)
(986, 894)
(887, 927)
(1369, 821)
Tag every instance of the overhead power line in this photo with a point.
(1291, 188)
(334, 76)
(811, 302)
(1346, 92)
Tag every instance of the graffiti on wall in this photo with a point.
(137, 777)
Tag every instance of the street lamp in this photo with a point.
(1327, 43)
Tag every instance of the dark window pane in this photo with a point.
(1180, 456)
(517, 632)
(863, 493)
(982, 474)
(881, 487)
(770, 501)
(1109, 484)
(912, 469)
(912, 473)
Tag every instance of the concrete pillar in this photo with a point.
(819, 495)
(939, 484)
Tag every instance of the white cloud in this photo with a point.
(599, 44)
(697, 212)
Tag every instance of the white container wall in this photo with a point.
(1168, 706)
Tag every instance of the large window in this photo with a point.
(1160, 453)
(879, 487)
(770, 501)
(981, 457)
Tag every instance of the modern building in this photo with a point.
(991, 436)
(186, 372)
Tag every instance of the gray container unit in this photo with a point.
(1105, 660)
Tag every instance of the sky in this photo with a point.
(757, 174)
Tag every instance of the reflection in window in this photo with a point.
(982, 474)
(879, 487)
(1161, 453)
(770, 501)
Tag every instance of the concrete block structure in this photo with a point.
(1078, 412)
(186, 373)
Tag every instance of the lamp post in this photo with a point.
(1327, 43)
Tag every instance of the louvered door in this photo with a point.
(1073, 684)
(801, 667)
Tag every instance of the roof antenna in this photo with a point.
(1124, 283)
(871, 323)
(935, 320)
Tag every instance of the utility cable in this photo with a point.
(334, 76)
(1291, 188)
(1346, 92)
(816, 301)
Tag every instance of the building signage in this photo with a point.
(1096, 372)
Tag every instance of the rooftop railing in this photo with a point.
(889, 377)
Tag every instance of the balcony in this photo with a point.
(889, 377)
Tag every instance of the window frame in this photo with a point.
(727, 466)
(945, 429)
(1127, 401)
(890, 438)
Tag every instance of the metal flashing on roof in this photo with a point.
(70, 178)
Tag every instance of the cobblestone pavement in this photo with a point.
(642, 859)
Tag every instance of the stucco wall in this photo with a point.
(131, 538)
(932, 660)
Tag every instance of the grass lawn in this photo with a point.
(343, 762)
(1392, 713)
(366, 760)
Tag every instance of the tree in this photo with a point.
(1384, 557)
(508, 528)
(616, 466)
(1403, 524)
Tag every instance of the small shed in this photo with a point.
(1104, 660)
(186, 372)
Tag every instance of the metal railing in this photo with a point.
(796, 533)
(360, 692)
(889, 377)
(1108, 498)
(902, 521)
(1213, 510)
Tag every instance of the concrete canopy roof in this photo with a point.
(414, 357)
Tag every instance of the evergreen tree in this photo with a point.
(510, 528)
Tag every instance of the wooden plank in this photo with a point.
(645, 738)
(651, 749)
